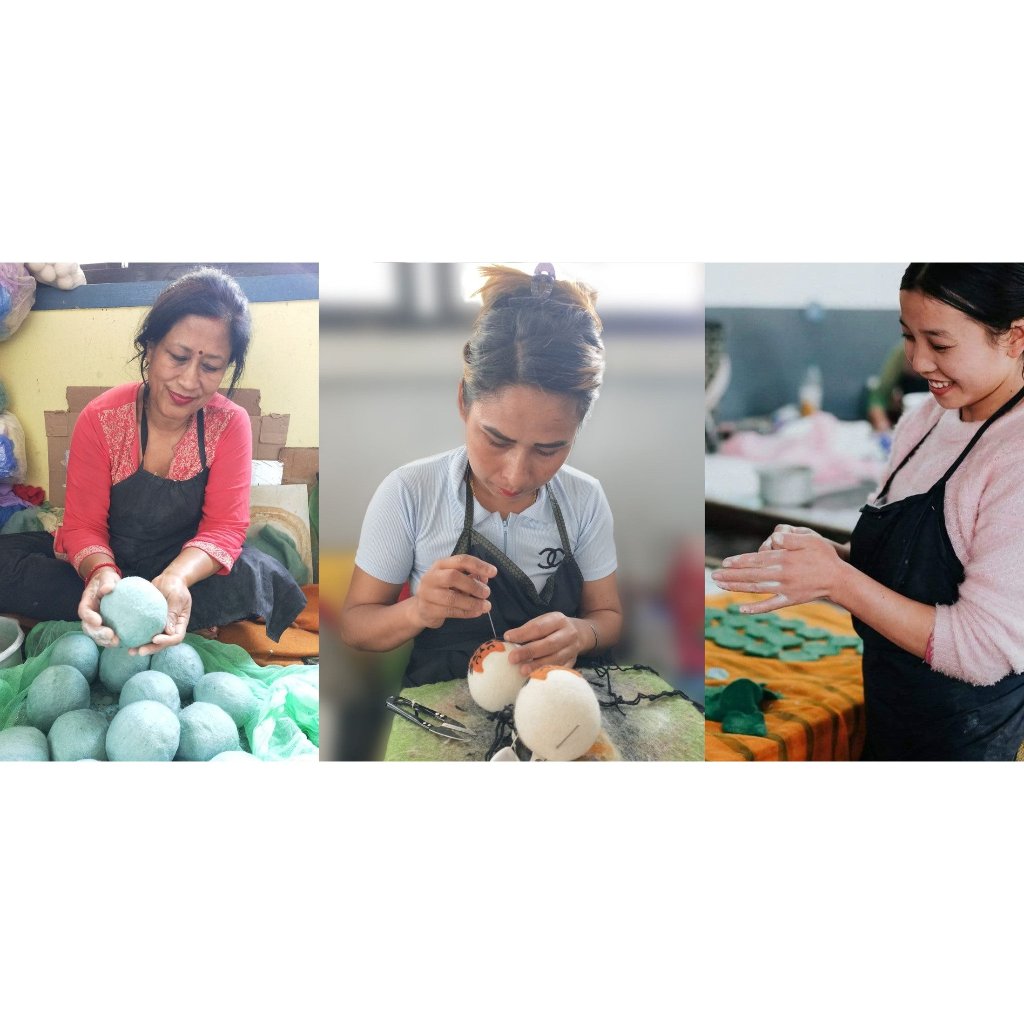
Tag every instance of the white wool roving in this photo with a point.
(557, 715)
(66, 276)
(493, 682)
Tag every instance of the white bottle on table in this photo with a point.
(810, 392)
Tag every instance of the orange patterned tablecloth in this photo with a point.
(820, 716)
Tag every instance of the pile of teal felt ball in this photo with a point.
(104, 704)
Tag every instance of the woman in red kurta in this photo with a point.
(158, 485)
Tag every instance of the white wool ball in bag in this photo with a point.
(48, 274)
(493, 682)
(557, 715)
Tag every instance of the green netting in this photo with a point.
(286, 725)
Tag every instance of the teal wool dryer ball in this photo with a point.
(55, 690)
(23, 743)
(79, 736)
(143, 731)
(227, 692)
(117, 666)
(183, 664)
(79, 651)
(206, 731)
(151, 685)
(135, 610)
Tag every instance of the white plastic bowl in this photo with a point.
(12, 640)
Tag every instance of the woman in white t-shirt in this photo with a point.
(499, 531)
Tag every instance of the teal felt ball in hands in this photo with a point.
(135, 610)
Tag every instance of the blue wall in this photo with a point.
(770, 350)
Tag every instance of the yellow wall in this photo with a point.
(55, 349)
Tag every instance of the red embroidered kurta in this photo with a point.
(106, 449)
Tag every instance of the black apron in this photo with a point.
(149, 519)
(443, 653)
(914, 713)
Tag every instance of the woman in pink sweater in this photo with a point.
(934, 573)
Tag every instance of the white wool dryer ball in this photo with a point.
(48, 274)
(557, 715)
(493, 682)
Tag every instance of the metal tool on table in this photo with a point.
(429, 719)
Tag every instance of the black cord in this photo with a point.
(603, 670)
(502, 730)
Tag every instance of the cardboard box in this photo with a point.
(269, 432)
(301, 465)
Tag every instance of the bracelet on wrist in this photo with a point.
(594, 629)
(96, 568)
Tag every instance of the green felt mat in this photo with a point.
(671, 729)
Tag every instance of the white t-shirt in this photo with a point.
(418, 512)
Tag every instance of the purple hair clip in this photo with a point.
(543, 281)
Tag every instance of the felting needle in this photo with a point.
(489, 619)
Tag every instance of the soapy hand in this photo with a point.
(786, 528)
(795, 564)
(179, 609)
(102, 583)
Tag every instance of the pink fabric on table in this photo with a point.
(811, 441)
(979, 638)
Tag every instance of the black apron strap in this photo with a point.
(1001, 411)
(892, 476)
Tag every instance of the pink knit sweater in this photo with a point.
(979, 638)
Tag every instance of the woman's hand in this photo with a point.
(453, 588)
(786, 528)
(549, 639)
(102, 583)
(796, 565)
(179, 608)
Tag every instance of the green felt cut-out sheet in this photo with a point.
(767, 635)
(671, 729)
